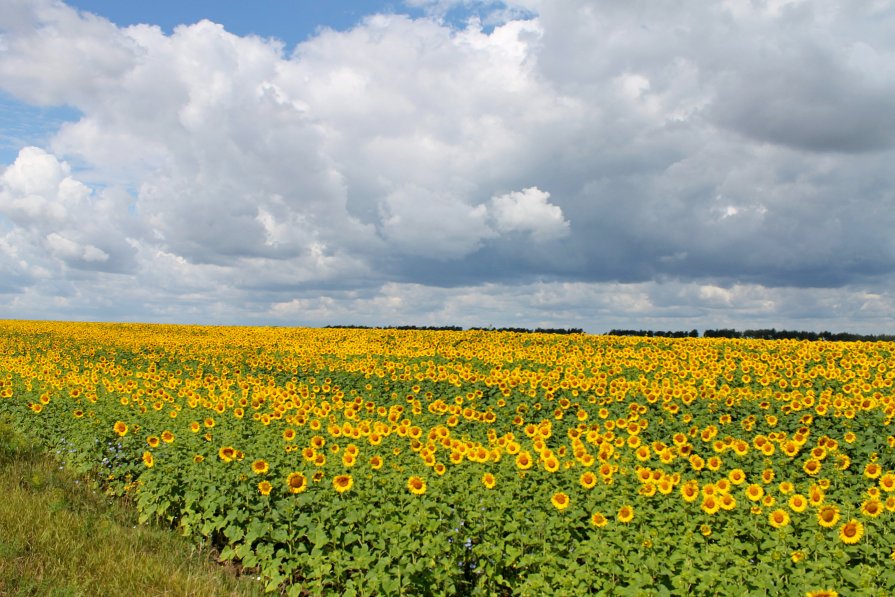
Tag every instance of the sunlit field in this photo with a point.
(368, 462)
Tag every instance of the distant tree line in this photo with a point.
(761, 334)
(456, 328)
(773, 334)
(654, 334)
(534, 331)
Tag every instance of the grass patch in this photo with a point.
(58, 536)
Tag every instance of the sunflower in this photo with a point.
(195, 427)
(851, 532)
(754, 492)
(120, 428)
(728, 502)
(198, 458)
(264, 487)
(822, 593)
(489, 481)
(167, 436)
(551, 464)
(710, 504)
(598, 520)
(887, 482)
(811, 467)
(828, 516)
(872, 470)
(778, 518)
(296, 482)
(797, 556)
(227, 453)
(148, 460)
(798, 502)
(523, 460)
(626, 514)
(872, 508)
(260, 467)
(705, 529)
(416, 485)
(376, 463)
(288, 434)
(737, 476)
(588, 479)
(153, 441)
(560, 500)
(690, 491)
(343, 483)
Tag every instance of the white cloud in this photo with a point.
(529, 211)
(727, 169)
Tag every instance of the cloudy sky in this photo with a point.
(563, 163)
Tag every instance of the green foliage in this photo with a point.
(201, 429)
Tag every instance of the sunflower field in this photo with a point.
(369, 462)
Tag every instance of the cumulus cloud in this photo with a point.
(617, 152)
(529, 211)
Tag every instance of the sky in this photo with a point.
(594, 164)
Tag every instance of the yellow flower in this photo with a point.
(822, 593)
(416, 485)
(264, 487)
(851, 532)
(148, 460)
(524, 460)
(153, 441)
(690, 491)
(625, 514)
(811, 467)
(887, 482)
(296, 482)
(710, 504)
(560, 500)
(120, 428)
(588, 479)
(728, 502)
(167, 436)
(798, 502)
(778, 518)
(872, 470)
(828, 516)
(754, 492)
(489, 481)
(872, 508)
(227, 453)
(797, 556)
(259, 467)
(343, 483)
(599, 521)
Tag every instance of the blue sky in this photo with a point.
(552, 163)
(290, 21)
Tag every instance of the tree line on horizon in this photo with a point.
(756, 334)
